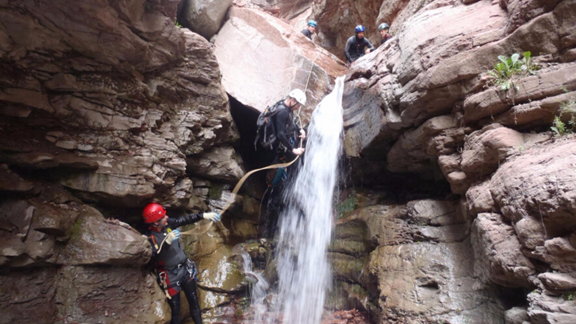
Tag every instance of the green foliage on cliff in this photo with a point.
(561, 128)
(510, 68)
(346, 206)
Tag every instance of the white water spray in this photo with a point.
(306, 226)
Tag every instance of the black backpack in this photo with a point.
(266, 133)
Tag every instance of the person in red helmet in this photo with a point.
(174, 269)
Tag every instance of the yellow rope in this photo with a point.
(200, 230)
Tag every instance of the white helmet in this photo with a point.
(298, 95)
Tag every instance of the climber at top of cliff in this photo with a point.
(174, 269)
(384, 30)
(357, 45)
(310, 29)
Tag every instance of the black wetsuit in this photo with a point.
(285, 128)
(307, 33)
(356, 47)
(173, 266)
(385, 39)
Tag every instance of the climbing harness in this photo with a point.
(163, 278)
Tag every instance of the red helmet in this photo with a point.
(153, 212)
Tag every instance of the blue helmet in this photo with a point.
(359, 28)
(313, 23)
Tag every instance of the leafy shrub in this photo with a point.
(561, 128)
(177, 24)
(512, 67)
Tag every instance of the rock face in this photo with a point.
(102, 104)
(411, 264)
(424, 104)
(82, 294)
(273, 60)
(124, 114)
(203, 16)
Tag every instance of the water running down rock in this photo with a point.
(306, 226)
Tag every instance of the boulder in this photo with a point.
(203, 16)
(218, 274)
(95, 241)
(274, 60)
(498, 254)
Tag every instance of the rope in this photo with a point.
(199, 230)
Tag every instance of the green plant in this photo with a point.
(568, 295)
(558, 126)
(347, 205)
(509, 68)
(177, 24)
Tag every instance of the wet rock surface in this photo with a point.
(416, 266)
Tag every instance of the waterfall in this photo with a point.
(306, 224)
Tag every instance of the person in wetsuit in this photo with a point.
(384, 30)
(310, 29)
(357, 46)
(174, 269)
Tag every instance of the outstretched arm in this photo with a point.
(184, 220)
(369, 45)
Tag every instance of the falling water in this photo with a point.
(306, 225)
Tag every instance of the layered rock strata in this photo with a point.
(105, 106)
(424, 104)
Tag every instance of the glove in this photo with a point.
(174, 235)
(212, 216)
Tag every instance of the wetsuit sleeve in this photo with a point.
(369, 45)
(307, 33)
(184, 220)
(282, 119)
(347, 49)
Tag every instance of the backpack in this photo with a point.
(266, 132)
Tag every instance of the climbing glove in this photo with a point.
(174, 235)
(212, 216)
